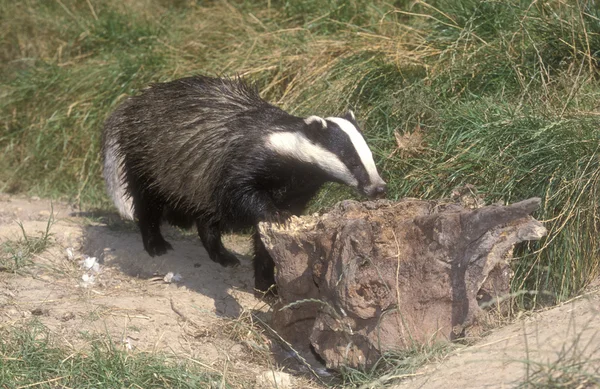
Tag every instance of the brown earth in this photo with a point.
(555, 342)
(204, 317)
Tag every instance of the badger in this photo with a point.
(211, 152)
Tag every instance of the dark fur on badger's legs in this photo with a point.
(264, 267)
(148, 211)
(210, 235)
(260, 207)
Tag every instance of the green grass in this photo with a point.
(16, 254)
(30, 357)
(503, 93)
(576, 365)
(395, 366)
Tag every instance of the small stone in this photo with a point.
(87, 280)
(44, 213)
(170, 277)
(237, 350)
(39, 312)
(68, 316)
(273, 380)
(70, 253)
(91, 264)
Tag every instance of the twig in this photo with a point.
(178, 312)
(386, 378)
(182, 316)
(41, 382)
(296, 353)
(572, 92)
(92, 9)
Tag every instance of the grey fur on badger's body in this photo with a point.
(210, 151)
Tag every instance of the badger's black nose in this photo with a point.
(377, 192)
(380, 191)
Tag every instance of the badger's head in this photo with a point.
(337, 147)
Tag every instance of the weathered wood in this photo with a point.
(370, 277)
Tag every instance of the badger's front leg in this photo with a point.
(255, 205)
(264, 267)
(210, 235)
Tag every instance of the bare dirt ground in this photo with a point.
(556, 342)
(203, 317)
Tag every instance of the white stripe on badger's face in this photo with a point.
(362, 149)
(295, 145)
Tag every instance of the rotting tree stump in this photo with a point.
(371, 277)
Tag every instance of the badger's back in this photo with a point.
(180, 138)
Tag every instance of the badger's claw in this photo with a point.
(280, 217)
(157, 246)
(227, 259)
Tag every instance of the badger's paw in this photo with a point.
(157, 246)
(279, 217)
(227, 259)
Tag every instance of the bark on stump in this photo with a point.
(371, 277)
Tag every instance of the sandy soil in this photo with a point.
(204, 317)
(543, 341)
(197, 317)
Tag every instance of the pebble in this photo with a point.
(170, 277)
(274, 380)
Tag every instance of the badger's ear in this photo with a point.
(316, 122)
(315, 128)
(350, 116)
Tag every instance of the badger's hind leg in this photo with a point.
(210, 235)
(264, 267)
(149, 212)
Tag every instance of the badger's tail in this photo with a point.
(113, 176)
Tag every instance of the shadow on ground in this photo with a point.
(119, 245)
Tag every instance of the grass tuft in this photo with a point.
(574, 367)
(29, 357)
(14, 255)
(395, 366)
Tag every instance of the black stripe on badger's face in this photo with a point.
(336, 146)
(345, 140)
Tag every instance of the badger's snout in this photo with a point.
(376, 191)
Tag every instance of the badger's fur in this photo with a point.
(210, 151)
